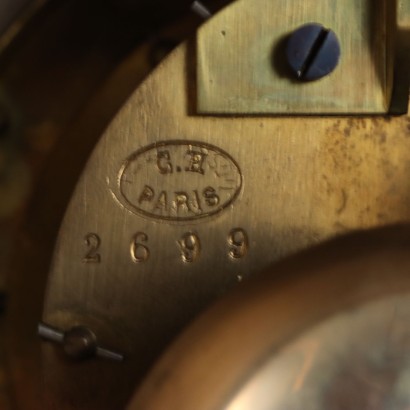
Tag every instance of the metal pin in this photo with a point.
(79, 342)
(109, 354)
(198, 8)
(50, 333)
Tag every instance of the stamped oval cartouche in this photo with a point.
(179, 181)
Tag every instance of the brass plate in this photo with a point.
(138, 279)
(403, 13)
(240, 71)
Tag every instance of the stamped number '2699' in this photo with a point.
(188, 247)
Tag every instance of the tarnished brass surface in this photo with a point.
(342, 307)
(66, 82)
(403, 14)
(143, 249)
(241, 67)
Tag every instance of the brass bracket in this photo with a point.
(240, 60)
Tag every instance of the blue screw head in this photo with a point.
(313, 52)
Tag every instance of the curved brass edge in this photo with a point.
(36, 240)
(205, 365)
(20, 15)
(85, 118)
(305, 180)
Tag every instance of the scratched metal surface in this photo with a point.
(357, 359)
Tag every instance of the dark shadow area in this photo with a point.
(401, 79)
(376, 22)
(393, 64)
(279, 59)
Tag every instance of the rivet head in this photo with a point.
(312, 52)
(80, 343)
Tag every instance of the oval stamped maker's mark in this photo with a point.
(179, 181)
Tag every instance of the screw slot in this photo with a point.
(312, 52)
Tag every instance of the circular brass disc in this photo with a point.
(173, 209)
(328, 329)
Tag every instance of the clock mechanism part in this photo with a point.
(329, 330)
(274, 128)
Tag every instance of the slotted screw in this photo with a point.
(313, 52)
